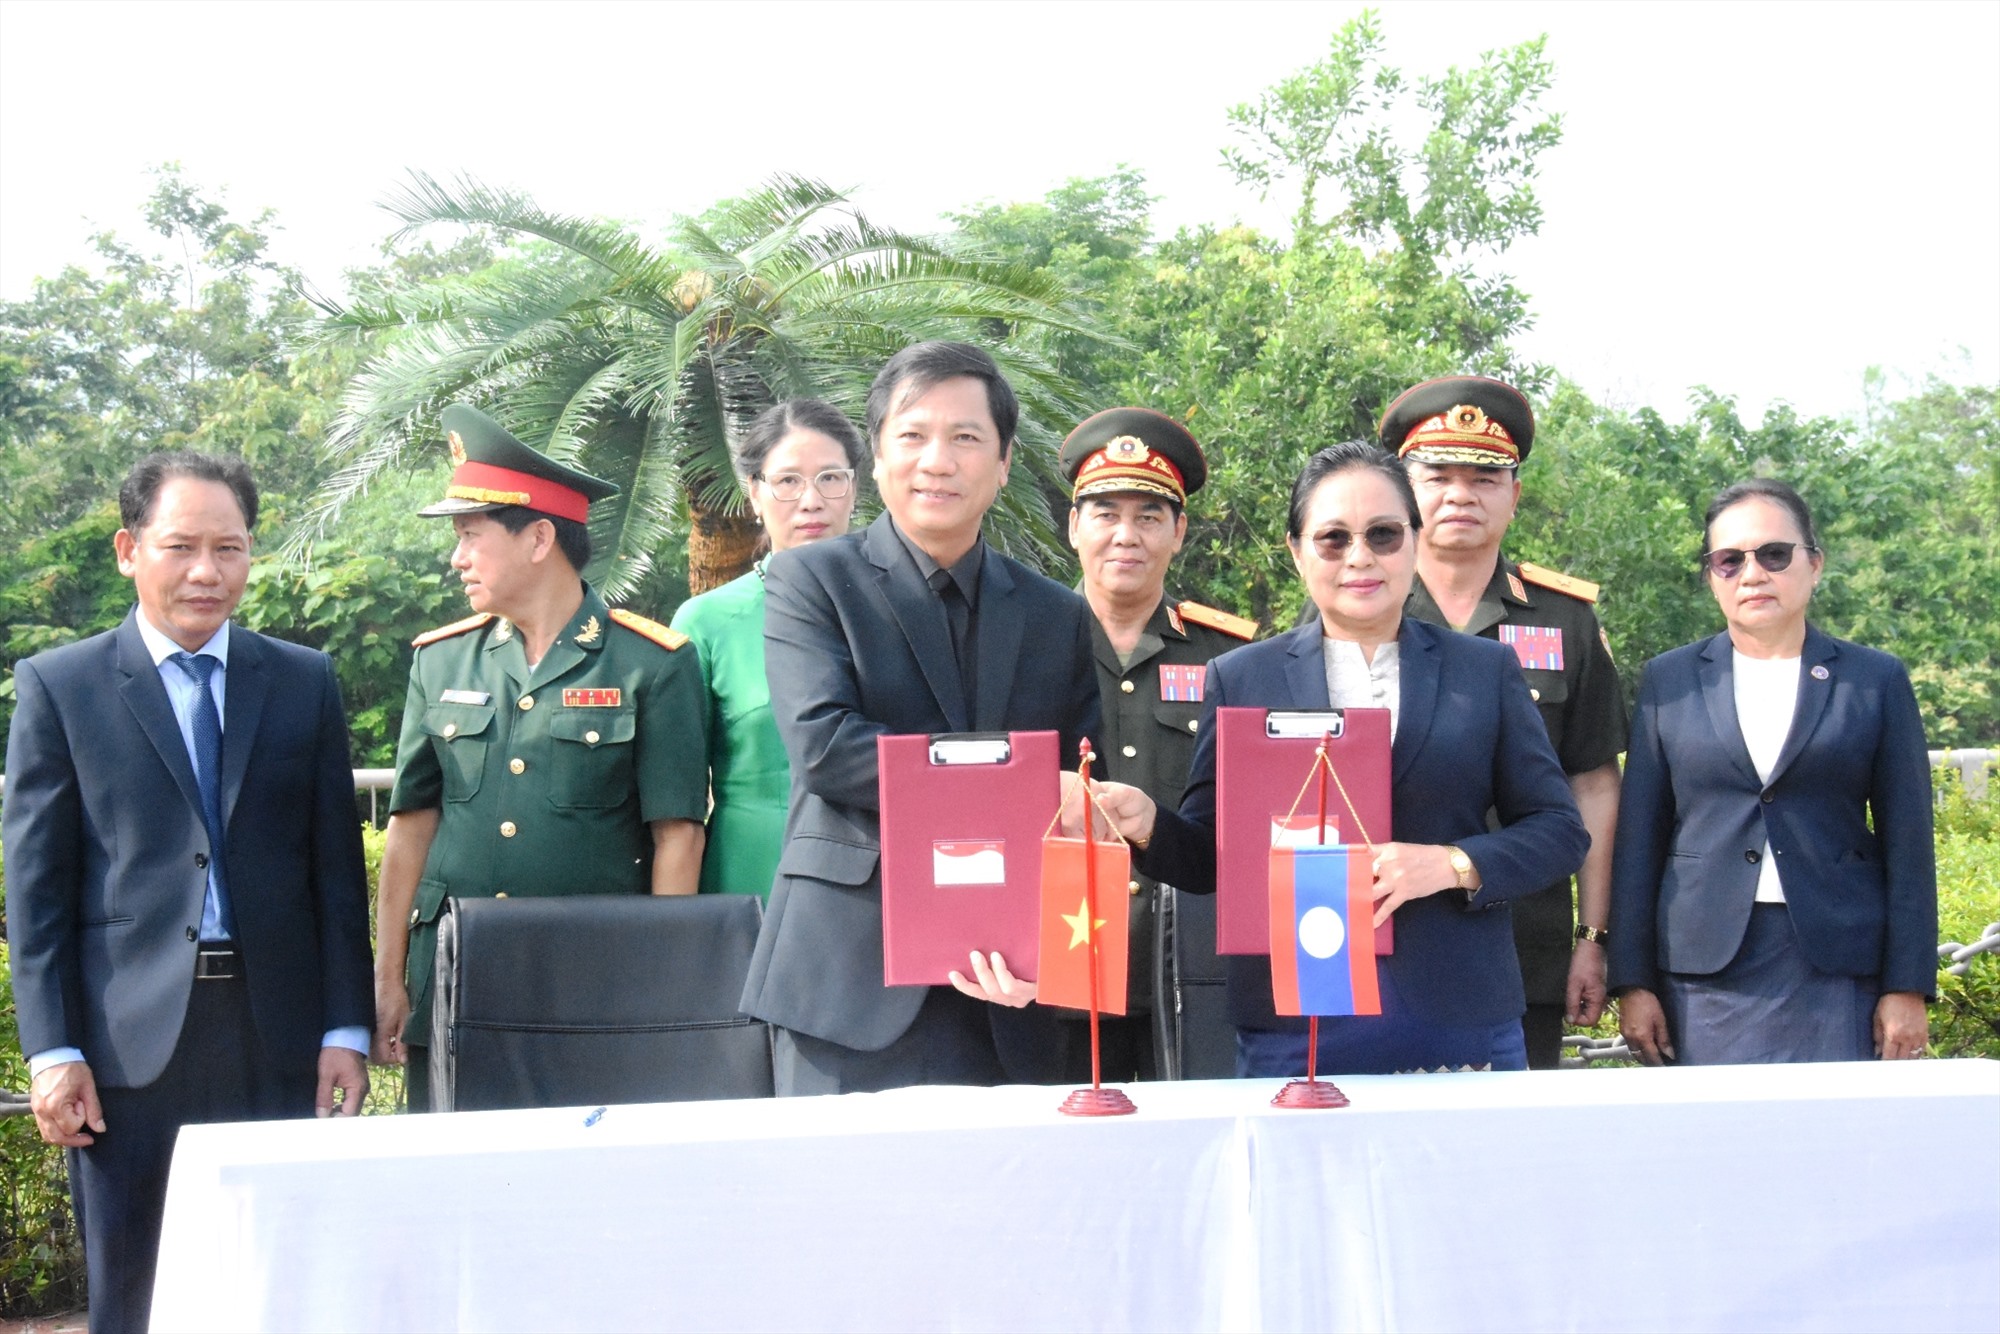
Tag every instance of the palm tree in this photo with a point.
(642, 363)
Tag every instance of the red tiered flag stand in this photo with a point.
(1311, 1092)
(1096, 1100)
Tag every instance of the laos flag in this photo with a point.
(1320, 897)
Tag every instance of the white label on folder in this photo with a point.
(969, 862)
(1309, 725)
(1301, 831)
(972, 750)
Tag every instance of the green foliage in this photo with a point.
(367, 592)
(1965, 1020)
(645, 363)
(1906, 506)
(1332, 124)
(41, 1255)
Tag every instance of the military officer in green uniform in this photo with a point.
(1464, 439)
(550, 744)
(1131, 472)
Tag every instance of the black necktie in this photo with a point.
(208, 773)
(958, 614)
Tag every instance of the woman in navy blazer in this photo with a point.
(1467, 739)
(1774, 890)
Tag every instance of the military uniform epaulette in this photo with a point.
(1236, 626)
(666, 638)
(455, 628)
(1561, 583)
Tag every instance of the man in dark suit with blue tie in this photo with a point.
(186, 903)
(915, 625)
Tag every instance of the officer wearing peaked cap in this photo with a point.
(1464, 438)
(1131, 472)
(550, 744)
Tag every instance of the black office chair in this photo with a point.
(595, 999)
(1195, 1037)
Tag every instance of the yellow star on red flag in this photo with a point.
(1080, 931)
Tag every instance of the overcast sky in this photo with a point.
(1766, 199)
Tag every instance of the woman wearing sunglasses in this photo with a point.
(797, 462)
(1466, 740)
(1773, 892)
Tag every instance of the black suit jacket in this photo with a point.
(106, 853)
(857, 647)
(1693, 820)
(1468, 741)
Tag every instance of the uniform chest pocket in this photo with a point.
(1548, 689)
(459, 735)
(591, 765)
(1173, 741)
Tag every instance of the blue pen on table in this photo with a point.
(594, 1118)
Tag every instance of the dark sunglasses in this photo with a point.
(1383, 539)
(1775, 557)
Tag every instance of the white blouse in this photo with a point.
(1767, 694)
(1352, 682)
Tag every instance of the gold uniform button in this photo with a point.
(517, 765)
(1130, 751)
(527, 702)
(414, 915)
(1133, 887)
(1127, 687)
(450, 731)
(501, 895)
(507, 829)
(590, 738)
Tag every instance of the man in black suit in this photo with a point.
(185, 895)
(912, 626)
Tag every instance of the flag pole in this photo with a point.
(1310, 1092)
(1095, 1100)
(1090, 914)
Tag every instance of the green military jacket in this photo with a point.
(1566, 661)
(546, 779)
(1152, 706)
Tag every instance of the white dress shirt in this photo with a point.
(1353, 682)
(1767, 694)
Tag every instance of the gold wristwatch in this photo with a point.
(1461, 867)
(1597, 935)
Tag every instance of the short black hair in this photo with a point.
(1762, 488)
(773, 424)
(917, 367)
(1348, 456)
(139, 493)
(572, 538)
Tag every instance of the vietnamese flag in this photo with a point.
(1319, 897)
(1072, 936)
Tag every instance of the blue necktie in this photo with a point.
(208, 773)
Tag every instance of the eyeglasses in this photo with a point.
(1384, 539)
(1775, 557)
(832, 483)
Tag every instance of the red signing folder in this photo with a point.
(962, 823)
(1263, 758)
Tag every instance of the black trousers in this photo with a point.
(118, 1185)
(954, 1040)
(1543, 1027)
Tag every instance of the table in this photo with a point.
(1774, 1197)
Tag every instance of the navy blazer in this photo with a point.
(106, 854)
(857, 646)
(1693, 820)
(1468, 740)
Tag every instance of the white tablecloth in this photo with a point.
(1823, 1197)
